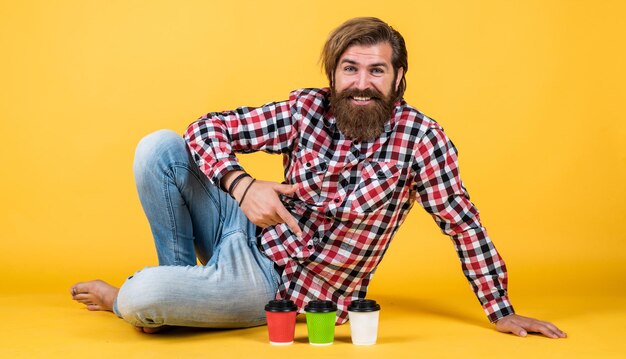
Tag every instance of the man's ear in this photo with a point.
(399, 77)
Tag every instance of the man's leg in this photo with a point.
(185, 211)
(189, 216)
(229, 292)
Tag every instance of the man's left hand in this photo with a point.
(520, 326)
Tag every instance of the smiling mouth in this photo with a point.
(361, 99)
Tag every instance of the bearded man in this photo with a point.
(356, 158)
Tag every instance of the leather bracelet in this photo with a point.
(234, 183)
(246, 191)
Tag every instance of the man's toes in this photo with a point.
(147, 330)
(84, 298)
(82, 287)
(152, 330)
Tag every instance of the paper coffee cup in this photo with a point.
(281, 321)
(320, 321)
(364, 315)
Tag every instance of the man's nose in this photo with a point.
(362, 81)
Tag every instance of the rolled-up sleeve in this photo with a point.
(216, 137)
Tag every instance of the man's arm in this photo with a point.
(214, 139)
(441, 192)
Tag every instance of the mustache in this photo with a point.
(371, 93)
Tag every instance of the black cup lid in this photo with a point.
(281, 305)
(321, 306)
(363, 305)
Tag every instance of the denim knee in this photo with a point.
(157, 151)
(154, 144)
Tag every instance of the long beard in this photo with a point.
(362, 122)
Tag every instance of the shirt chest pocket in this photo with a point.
(309, 175)
(377, 185)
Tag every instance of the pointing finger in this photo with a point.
(286, 189)
(289, 220)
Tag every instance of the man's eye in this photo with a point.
(377, 71)
(349, 69)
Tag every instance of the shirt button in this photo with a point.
(310, 246)
(336, 200)
(308, 164)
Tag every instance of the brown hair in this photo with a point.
(365, 31)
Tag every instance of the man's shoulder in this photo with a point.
(409, 116)
(310, 95)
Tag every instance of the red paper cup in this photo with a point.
(281, 321)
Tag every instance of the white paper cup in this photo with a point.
(364, 327)
(364, 315)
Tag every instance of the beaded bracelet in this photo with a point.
(234, 183)
(246, 191)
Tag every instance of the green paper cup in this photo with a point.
(320, 321)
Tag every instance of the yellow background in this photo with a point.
(531, 93)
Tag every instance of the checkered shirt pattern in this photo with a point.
(352, 197)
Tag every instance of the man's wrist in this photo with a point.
(236, 182)
(241, 188)
(502, 317)
(228, 178)
(498, 308)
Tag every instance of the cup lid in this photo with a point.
(321, 306)
(363, 305)
(281, 305)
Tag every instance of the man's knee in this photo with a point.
(156, 142)
(157, 149)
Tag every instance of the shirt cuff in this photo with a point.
(222, 167)
(498, 308)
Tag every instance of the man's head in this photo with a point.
(365, 61)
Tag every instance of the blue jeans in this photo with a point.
(191, 219)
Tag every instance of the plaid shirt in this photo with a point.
(352, 197)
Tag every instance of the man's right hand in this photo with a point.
(262, 205)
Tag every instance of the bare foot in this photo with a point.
(95, 294)
(100, 295)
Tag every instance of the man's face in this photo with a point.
(364, 90)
